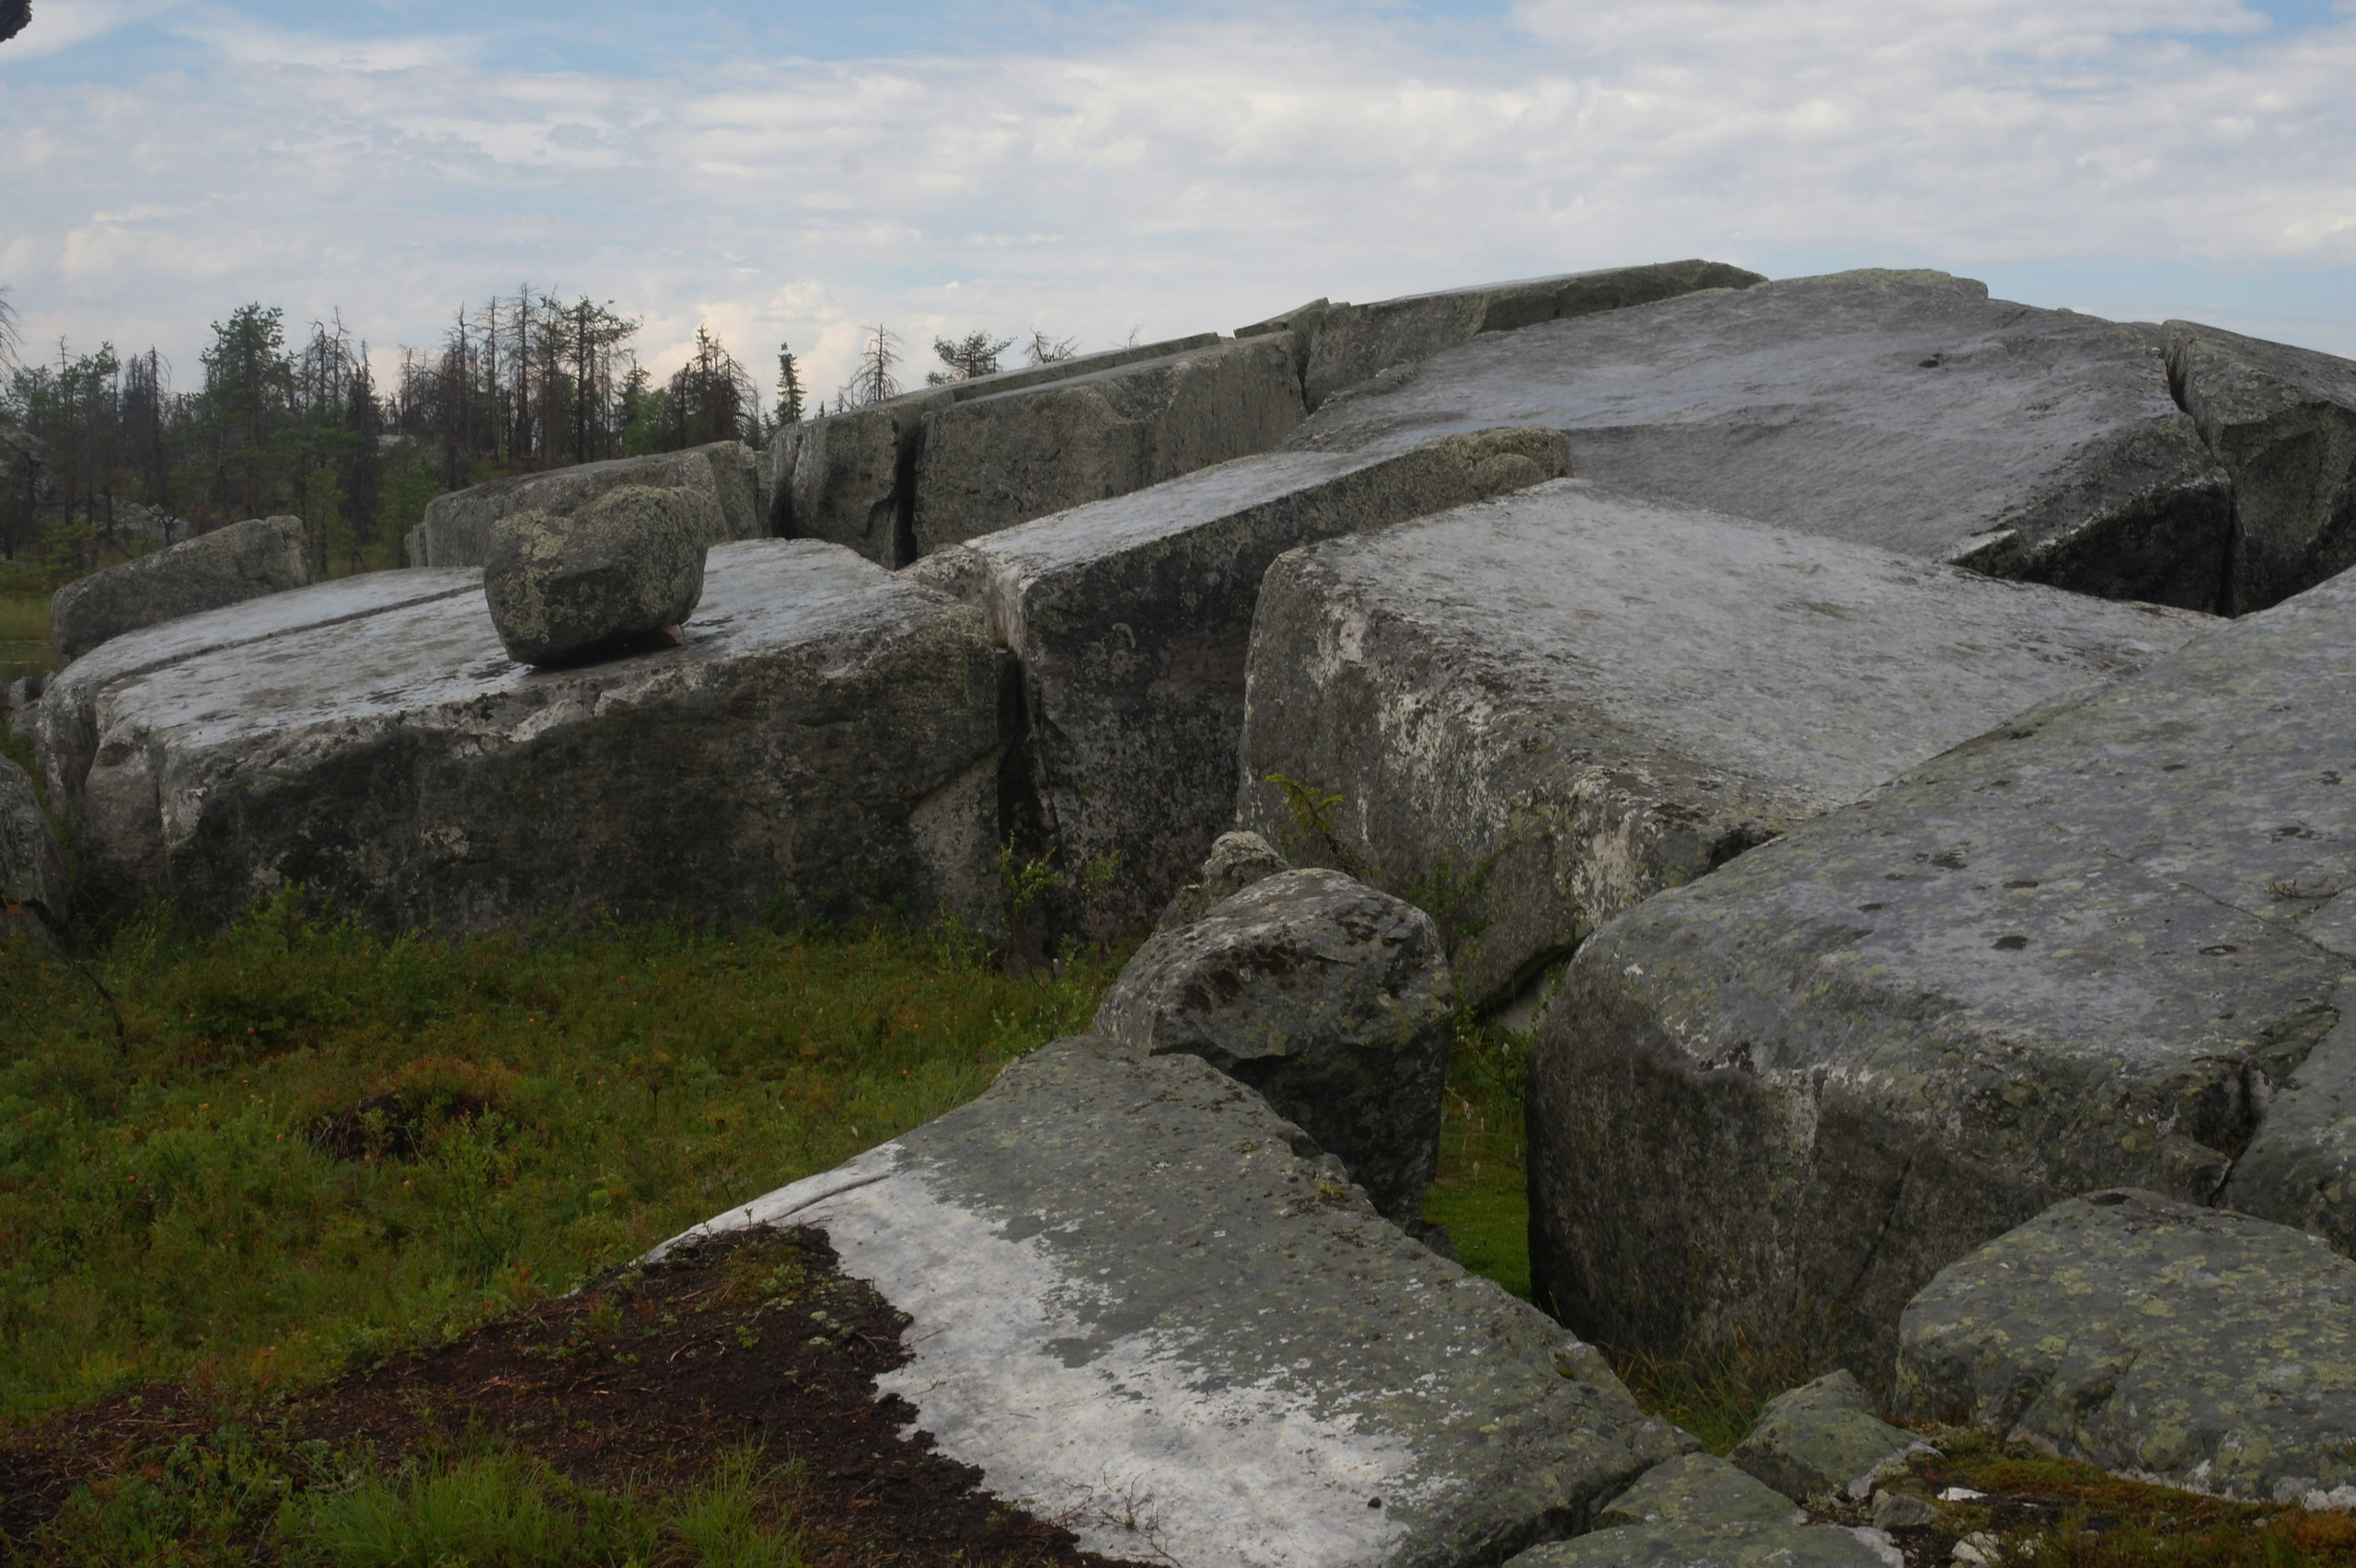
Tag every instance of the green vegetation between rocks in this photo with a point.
(1481, 1193)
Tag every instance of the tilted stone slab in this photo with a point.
(1131, 618)
(848, 477)
(1351, 342)
(824, 741)
(1904, 410)
(2192, 1346)
(2084, 950)
(988, 463)
(1540, 710)
(243, 562)
(2282, 421)
(1139, 1295)
(1821, 1439)
(456, 528)
(1698, 1511)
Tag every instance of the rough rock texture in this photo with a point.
(2282, 421)
(456, 529)
(1330, 998)
(2188, 1345)
(850, 476)
(1902, 409)
(825, 741)
(1235, 862)
(627, 565)
(1139, 1293)
(988, 463)
(1821, 1439)
(1131, 618)
(1352, 342)
(32, 872)
(2089, 949)
(1700, 1512)
(1540, 710)
(2300, 1169)
(229, 566)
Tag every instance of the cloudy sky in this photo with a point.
(796, 170)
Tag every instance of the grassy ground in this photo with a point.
(24, 633)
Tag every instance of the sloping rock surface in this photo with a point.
(1144, 1304)
(825, 741)
(1700, 1512)
(1821, 1439)
(2154, 1338)
(456, 528)
(1332, 999)
(2282, 421)
(245, 561)
(1904, 410)
(1131, 618)
(2085, 950)
(1542, 710)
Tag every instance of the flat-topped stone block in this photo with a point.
(1900, 409)
(456, 528)
(1144, 1304)
(1540, 710)
(825, 741)
(2097, 946)
(233, 565)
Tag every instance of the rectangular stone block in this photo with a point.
(2097, 946)
(456, 528)
(1530, 714)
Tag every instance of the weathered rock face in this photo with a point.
(2282, 421)
(1330, 998)
(630, 564)
(1131, 618)
(2300, 1169)
(245, 561)
(456, 530)
(1235, 862)
(825, 741)
(1700, 1512)
(32, 872)
(1351, 342)
(2190, 1346)
(2090, 948)
(1904, 410)
(989, 463)
(1138, 1291)
(849, 478)
(1821, 1440)
(1541, 710)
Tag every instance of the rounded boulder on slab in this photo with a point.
(1330, 999)
(628, 565)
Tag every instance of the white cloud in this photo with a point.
(66, 23)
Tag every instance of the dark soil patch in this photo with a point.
(386, 1126)
(644, 1379)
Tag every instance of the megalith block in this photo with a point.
(1529, 714)
(1906, 410)
(456, 528)
(1147, 1305)
(233, 565)
(2096, 946)
(824, 743)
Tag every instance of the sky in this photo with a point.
(801, 172)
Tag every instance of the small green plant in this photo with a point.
(1444, 896)
(1027, 880)
(1309, 824)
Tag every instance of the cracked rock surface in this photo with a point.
(2097, 946)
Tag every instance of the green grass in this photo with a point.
(166, 1214)
(24, 633)
(1481, 1193)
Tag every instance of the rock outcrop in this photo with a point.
(456, 530)
(229, 566)
(1330, 998)
(1700, 1512)
(34, 890)
(824, 741)
(1822, 1439)
(627, 566)
(1906, 410)
(1531, 714)
(1235, 862)
(2188, 1345)
(2095, 947)
(1147, 1306)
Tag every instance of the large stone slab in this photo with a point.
(456, 528)
(2088, 948)
(2282, 421)
(1350, 343)
(2182, 1345)
(824, 743)
(850, 476)
(1139, 1295)
(988, 463)
(1902, 409)
(1542, 710)
(1131, 618)
(1697, 1511)
(245, 561)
